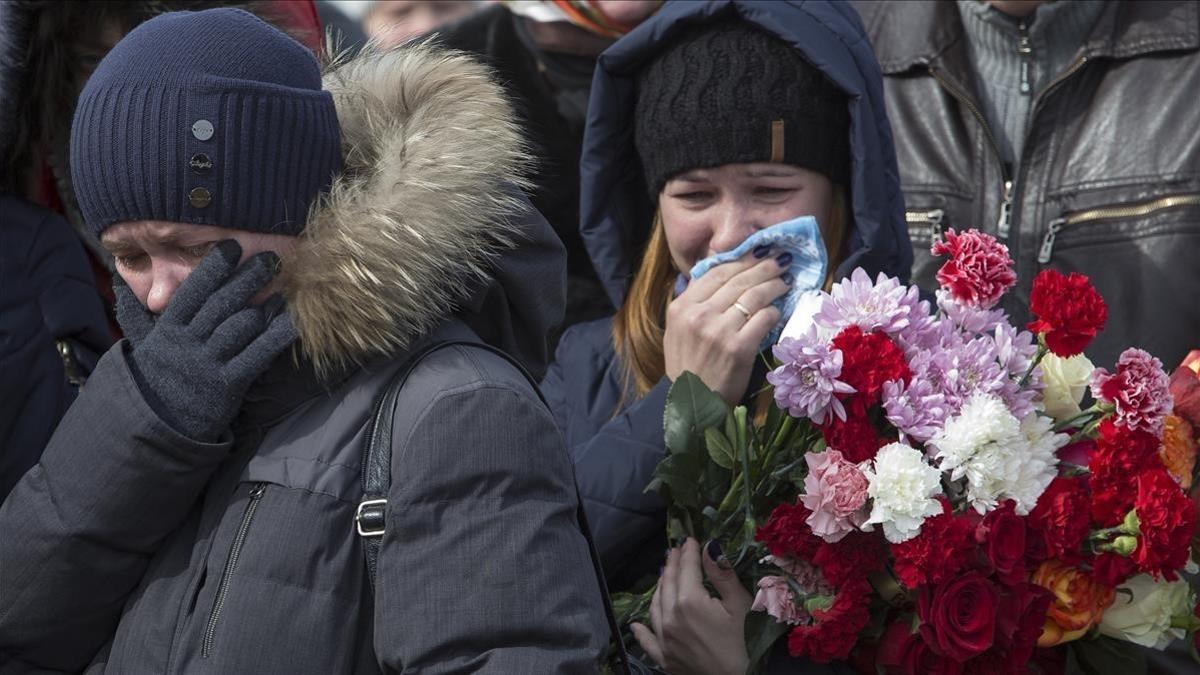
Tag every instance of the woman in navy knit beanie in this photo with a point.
(286, 245)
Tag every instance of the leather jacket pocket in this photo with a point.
(1067, 226)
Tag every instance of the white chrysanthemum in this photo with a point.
(902, 487)
(1040, 465)
(983, 444)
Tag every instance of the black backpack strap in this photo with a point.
(370, 517)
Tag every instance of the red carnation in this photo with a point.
(1060, 520)
(787, 535)
(1166, 520)
(979, 270)
(1121, 454)
(834, 630)
(1139, 391)
(1112, 569)
(1069, 311)
(868, 360)
(855, 556)
(942, 548)
(855, 437)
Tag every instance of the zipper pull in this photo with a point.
(1047, 248)
(1005, 220)
(1025, 49)
(257, 490)
(935, 217)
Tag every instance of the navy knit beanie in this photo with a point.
(211, 117)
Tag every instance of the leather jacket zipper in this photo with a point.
(925, 223)
(1106, 212)
(1006, 204)
(256, 493)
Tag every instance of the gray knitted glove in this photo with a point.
(195, 362)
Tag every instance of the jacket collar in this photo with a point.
(908, 35)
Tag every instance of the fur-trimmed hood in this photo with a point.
(426, 220)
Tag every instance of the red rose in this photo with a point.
(855, 556)
(903, 652)
(1166, 520)
(787, 535)
(855, 437)
(979, 270)
(958, 617)
(834, 630)
(868, 360)
(1059, 521)
(944, 546)
(1069, 311)
(1019, 622)
(1001, 533)
(1185, 388)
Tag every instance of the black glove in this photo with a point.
(195, 362)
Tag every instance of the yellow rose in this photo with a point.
(1065, 380)
(1079, 602)
(1178, 451)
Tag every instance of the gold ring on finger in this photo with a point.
(742, 308)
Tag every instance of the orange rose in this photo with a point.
(1079, 602)
(1178, 451)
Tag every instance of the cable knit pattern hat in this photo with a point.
(728, 92)
(211, 117)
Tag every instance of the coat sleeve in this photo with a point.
(78, 531)
(613, 465)
(483, 567)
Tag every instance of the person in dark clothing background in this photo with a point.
(1067, 129)
(286, 244)
(544, 53)
(56, 290)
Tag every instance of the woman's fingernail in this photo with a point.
(784, 260)
(713, 549)
(787, 278)
(761, 252)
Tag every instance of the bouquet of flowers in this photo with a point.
(923, 492)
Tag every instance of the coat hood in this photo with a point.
(615, 213)
(426, 220)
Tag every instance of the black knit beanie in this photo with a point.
(728, 92)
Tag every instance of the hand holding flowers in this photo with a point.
(928, 493)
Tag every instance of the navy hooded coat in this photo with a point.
(615, 451)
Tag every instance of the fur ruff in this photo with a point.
(425, 203)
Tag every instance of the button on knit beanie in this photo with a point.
(728, 92)
(211, 117)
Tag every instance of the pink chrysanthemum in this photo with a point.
(807, 384)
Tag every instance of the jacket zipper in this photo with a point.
(1106, 212)
(931, 220)
(1002, 224)
(256, 493)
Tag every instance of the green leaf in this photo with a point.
(680, 474)
(762, 631)
(1108, 656)
(719, 448)
(691, 408)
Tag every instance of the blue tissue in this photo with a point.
(802, 238)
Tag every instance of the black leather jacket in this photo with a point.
(1108, 183)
